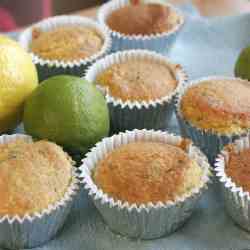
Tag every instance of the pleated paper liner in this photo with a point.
(32, 230)
(128, 115)
(46, 67)
(146, 221)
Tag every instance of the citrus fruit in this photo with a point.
(242, 67)
(67, 110)
(18, 78)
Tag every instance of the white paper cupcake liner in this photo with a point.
(161, 42)
(34, 230)
(237, 201)
(129, 115)
(208, 141)
(47, 68)
(149, 220)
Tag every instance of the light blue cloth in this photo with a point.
(205, 47)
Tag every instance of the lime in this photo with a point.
(18, 78)
(242, 67)
(69, 111)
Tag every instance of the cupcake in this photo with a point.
(65, 45)
(214, 111)
(233, 172)
(140, 88)
(141, 25)
(145, 183)
(37, 186)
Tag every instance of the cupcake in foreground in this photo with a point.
(145, 183)
(37, 184)
(141, 25)
(212, 114)
(140, 88)
(233, 171)
(65, 44)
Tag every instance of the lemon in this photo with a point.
(69, 111)
(242, 67)
(18, 78)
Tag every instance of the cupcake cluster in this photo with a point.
(107, 94)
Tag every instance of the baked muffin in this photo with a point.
(233, 173)
(143, 19)
(140, 87)
(143, 172)
(219, 105)
(66, 43)
(148, 26)
(138, 80)
(33, 175)
(145, 183)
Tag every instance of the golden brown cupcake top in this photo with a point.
(138, 80)
(32, 176)
(238, 167)
(220, 105)
(142, 172)
(66, 43)
(143, 19)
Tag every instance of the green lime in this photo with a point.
(67, 110)
(242, 67)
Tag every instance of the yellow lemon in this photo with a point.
(18, 78)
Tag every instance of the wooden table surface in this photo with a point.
(206, 7)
